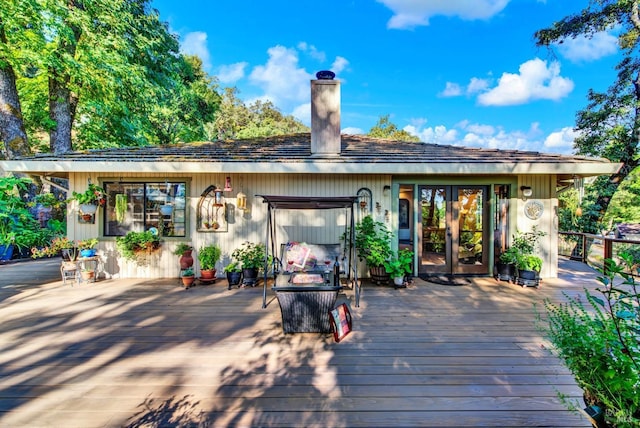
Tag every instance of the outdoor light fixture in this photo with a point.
(526, 191)
(227, 185)
(241, 201)
(217, 198)
(386, 191)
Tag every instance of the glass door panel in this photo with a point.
(469, 214)
(453, 230)
(435, 241)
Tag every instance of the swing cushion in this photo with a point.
(309, 257)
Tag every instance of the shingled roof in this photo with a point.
(292, 153)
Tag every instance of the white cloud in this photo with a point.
(229, 74)
(303, 113)
(195, 43)
(560, 141)
(451, 90)
(413, 13)
(433, 135)
(485, 136)
(477, 85)
(352, 131)
(281, 78)
(589, 49)
(535, 81)
(339, 64)
(312, 51)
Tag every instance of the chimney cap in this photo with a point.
(325, 75)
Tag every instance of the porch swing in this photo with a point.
(348, 254)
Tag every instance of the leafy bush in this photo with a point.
(401, 265)
(251, 255)
(373, 241)
(133, 243)
(599, 344)
(208, 256)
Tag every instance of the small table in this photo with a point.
(89, 264)
(73, 269)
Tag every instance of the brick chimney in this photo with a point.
(325, 114)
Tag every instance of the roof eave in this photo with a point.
(50, 167)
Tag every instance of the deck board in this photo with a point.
(126, 353)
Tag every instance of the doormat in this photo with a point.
(446, 279)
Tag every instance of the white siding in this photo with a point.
(314, 226)
(543, 187)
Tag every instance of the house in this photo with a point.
(456, 207)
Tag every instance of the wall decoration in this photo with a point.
(533, 209)
(212, 211)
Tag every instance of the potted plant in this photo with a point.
(208, 256)
(506, 266)
(597, 339)
(188, 277)
(185, 251)
(17, 225)
(59, 245)
(234, 273)
(373, 242)
(251, 256)
(90, 199)
(399, 266)
(134, 245)
(87, 247)
(527, 263)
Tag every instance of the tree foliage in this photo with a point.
(610, 124)
(258, 119)
(384, 128)
(101, 73)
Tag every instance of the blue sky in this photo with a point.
(462, 72)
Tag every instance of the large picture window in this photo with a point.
(139, 206)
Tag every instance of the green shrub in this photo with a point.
(599, 344)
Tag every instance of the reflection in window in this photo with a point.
(145, 206)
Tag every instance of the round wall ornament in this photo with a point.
(533, 209)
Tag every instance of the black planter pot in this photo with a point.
(528, 278)
(250, 276)
(505, 272)
(234, 278)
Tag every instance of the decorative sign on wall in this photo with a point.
(212, 211)
(533, 209)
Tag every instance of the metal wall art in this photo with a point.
(212, 211)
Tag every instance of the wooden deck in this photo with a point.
(150, 354)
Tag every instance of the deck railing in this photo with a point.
(594, 249)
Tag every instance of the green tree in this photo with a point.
(384, 128)
(259, 119)
(610, 124)
(111, 63)
(625, 204)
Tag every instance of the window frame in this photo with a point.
(109, 229)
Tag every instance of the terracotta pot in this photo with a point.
(187, 281)
(186, 260)
(88, 274)
(207, 274)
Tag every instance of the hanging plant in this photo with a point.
(121, 207)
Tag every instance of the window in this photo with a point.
(139, 206)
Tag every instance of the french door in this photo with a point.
(454, 230)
